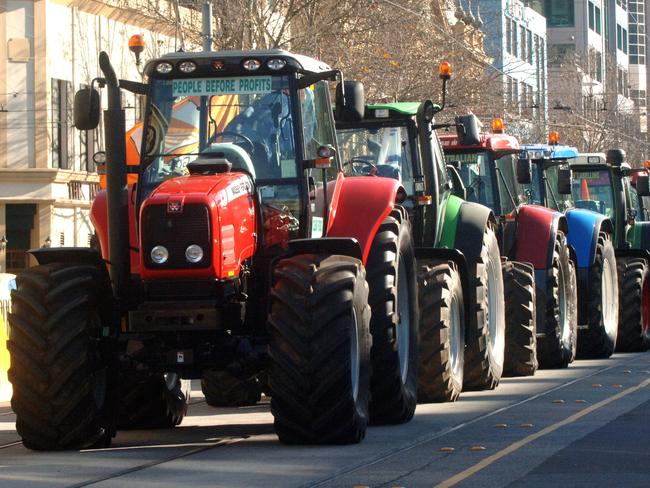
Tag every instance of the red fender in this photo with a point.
(535, 235)
(359, 206)
(99, 219)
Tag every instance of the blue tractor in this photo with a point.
(543, 170)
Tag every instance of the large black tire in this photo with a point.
(633, 305)
(61, 362)
(442, 332)
(157, 402)
(394, 321)
(598, 338)
(521, 330)
(222, 389)
(484, 353)
(558, 310)
(319, 348)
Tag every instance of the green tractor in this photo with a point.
(608, 185)
(461, 289)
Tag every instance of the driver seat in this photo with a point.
(233, 153)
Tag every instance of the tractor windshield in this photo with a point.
(543, 187)
(379, 151)
(488, 181)
(592, 189)
(247, 120)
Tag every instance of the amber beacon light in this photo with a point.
(445, 70)
(553, 138)
(136, 46)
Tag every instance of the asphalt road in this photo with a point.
(584, 426)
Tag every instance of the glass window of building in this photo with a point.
(559, 13)
(597, 15)
(592, 20)
(508, 35)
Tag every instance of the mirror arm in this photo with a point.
(312, 78)
(505, 185)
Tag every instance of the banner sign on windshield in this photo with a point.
(243, 85)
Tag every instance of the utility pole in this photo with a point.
(207, 25)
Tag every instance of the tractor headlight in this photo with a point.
(159, 254)
(194, 253)
(187, 66)
(164, 67)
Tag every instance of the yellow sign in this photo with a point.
(5, 386)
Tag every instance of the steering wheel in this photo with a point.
(235, 135)
(368, 168)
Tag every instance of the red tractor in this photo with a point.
(241, 252)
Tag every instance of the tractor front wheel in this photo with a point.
(319, 347)
(222, 389)
(598, 339)
(394, 320)
(556, 348)
(521, 330)
(634, 305)
(442, 332)
(484, 355)
(157, 402)
(61, 361)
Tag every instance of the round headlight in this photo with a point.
(194, 253)
(276, 63)
(159, 254)
(164, 68)
(187, 66)
(252, 64)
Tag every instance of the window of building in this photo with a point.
(592, 20)
(522, 42)
(529, 46)
(560, 53)
(619, 37)
(62, 133)
(624, 41)
(508, 35)
(598, 24)
(559, 13)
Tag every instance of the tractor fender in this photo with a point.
(639, 235)
(535, 236)
(457, 257)
(359, 206)
(99, 219)
(584, 227)
(471, 221)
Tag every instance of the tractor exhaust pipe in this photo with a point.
(116, 185)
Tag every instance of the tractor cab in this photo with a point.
(485, 162)
(548, 174)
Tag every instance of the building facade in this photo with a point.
(48, 50)
(515, 38)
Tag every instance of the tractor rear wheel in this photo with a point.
(61, 361)
(521, 330)
(319, 348)
(634, 305)
(394, 320)
(484, 354)
(157, 402)
(599, 338)
(557, 347)
(442, 332)
(222, 389)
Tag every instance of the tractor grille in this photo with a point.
(176, 231)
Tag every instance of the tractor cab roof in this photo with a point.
(223, 63)
(498, 143)
(397, 109)
(548, 153)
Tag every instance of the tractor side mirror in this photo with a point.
(457, 186)
(350, 101)
(468, 130)
(564, 181)
(86, 109)
(324, 159)
(524, 171)
(643, 185)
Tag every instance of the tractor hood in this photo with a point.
(215, 212)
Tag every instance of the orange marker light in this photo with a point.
(646, 164)
(498, 126)
(553, 138)
(136, 46)
(445, 70)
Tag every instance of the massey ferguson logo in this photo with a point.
(174, 206)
